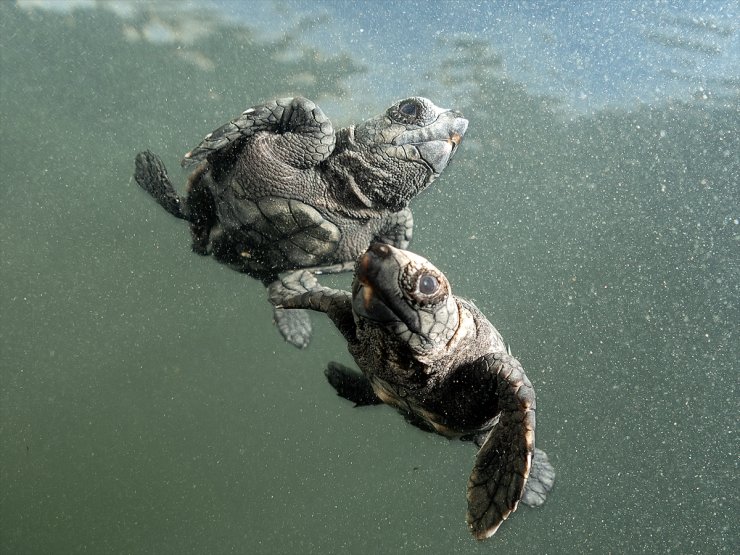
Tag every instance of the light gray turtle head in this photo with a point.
(407, 147)
(407, 296)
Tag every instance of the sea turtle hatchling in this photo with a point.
(437, 359)
(277, 189)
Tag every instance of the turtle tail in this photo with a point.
(151, 176)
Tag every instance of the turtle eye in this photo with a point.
(428, 284)
(424, 286)
(408, 108)
(409, 111)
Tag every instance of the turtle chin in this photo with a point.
(367, 306)
(369, 303)
(436, 144)
(397, 321)
(437, 154)
(376, 295)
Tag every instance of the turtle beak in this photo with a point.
(369, 289)
(362, 286)
(366, 272)
(459, 127)
(454, 142)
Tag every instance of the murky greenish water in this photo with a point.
(147, 403)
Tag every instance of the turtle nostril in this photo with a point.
(381, 249)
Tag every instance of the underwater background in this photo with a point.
(147, 403)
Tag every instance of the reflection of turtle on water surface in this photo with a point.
(438, 360)
(277, 189)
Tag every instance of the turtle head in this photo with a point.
(406, 296)
(405, 149)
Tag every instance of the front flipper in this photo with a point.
(301, 290)
(541, 480)
(503, 463)
(303, 135)
(351, 385)
(541, 477)
(151, 176)
(294, 326)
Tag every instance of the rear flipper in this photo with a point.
(351, 385)
(540, 481)
(151, 175)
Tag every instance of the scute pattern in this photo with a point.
(298, 230)
(277, 189)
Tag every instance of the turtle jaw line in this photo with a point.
(367, 292)
(377, 308)
(374, 302)
(454, 140)
(363, 285)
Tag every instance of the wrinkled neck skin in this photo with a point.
(364, 180)
(401, 358)
(466, 333)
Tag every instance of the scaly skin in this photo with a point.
(437, 359)
(277, 190)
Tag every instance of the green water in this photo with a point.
(147, 404)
